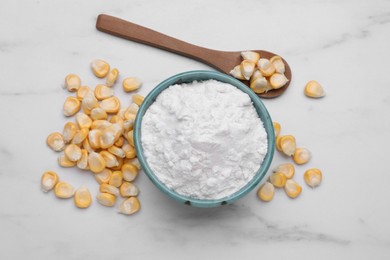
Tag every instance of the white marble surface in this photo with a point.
(342, 44)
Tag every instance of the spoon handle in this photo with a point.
(137, 33)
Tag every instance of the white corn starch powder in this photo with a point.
(203, 139)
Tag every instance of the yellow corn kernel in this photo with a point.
(110, 135)
(82, 163)
(138, 99)
(63, 190)
(82, 198)
(131, 83)
(129, 189)
(121, 112)
(135, 162)
(292, 188)
(128, 125)
(287, 169)
(129, 150)
(100, 124)
(247, 68)
(278, 179)
(117, 151)
(107, 188)
(278, 64)
(103, 176)
(301, 156)
(260, 85)
(94, 138)
(266, 67)
(276, 128)
(129, 206)
(131, 111)
(112, 76)
(116, 179)
(250, 55)
(73, 152)
(71, 106)
(87, 146)
(288, 144)
(106, 199)
(129, 171)
(89, 101)
(277, 143)
(69, 131)
(236, 72)
(266, 191)
(110, 105)
(313, 177)
(313, 89)
(103, 92)
(256, 74)
(63, 161)
(120, 142)
(130, 137)
(56, 141)
(100, 68)
(80, 136)
(83, 121)
(111, 160)
(48, 181)
(98, 114)
(72, 82)
(82, 91)
(96, 162)
(120, 163)
(117, 120)
(278, 80)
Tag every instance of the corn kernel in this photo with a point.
(98, 114)
(129, 171)
(112, 76)
(107, 188)
(80, 136)
(128, 125)
(71, 106)
(94, 138)
(110, 135)
(106, 199)
(129, 189)
(266, 191)
(56, 141)
(313, 177)
(301, 156)
(63, 190)
(69, 131)
(83, 121)
(115, 119)
(120, 163)
(82, 198)
(130, 137)
(266, 67)
(82, 163)
(250, 55)
(278, 80)
(116, 179)
(103, 176)
(117, 151)
(278, 64)
(89, 102)
(109, 158)
(260, 85)
(87, 146)
(292, 188)
(48, 181)
(277, 143)
(121, 112)
(110, 105)
(276, 128)
(131, 84)
(72, 82)
(287, 169)
(100, 124)
(236, 72)
(82, 91)
(247, 68)
(131, 111)
(129, 206)
(135, 162)
(96, 162)
(313, 89)
(256, 74)
(103, 92)
(73, 152)
(129, 150)
(288, 144)
(138, 99)
(120, 142)
(278, 179)
(100, 68)
(63, 161)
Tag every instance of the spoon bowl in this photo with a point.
(223, 61)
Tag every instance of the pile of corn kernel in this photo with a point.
(100, 140)
(263, 74)
(282, 176)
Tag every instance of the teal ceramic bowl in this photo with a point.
(187, 77)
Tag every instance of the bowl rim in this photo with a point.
(201, 75)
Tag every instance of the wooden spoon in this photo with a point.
(221, 60)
